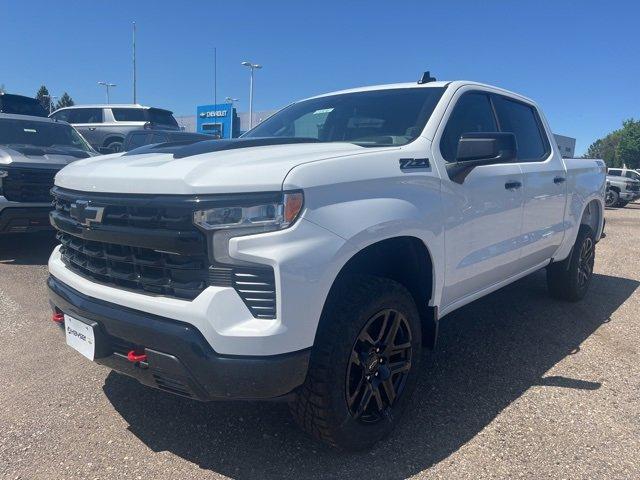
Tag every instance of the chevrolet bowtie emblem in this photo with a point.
(83, 212)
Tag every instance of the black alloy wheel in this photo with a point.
(585, 262)
(378, 367)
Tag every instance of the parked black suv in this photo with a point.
(21, 105)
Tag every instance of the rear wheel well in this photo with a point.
(591, 216)
(405, 260)
(112, 139)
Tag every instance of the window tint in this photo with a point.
(369, 118)
(162, 117)
(522, 121)
(633, 175)
(80, 115)
(54, 136)
(615, 173)
(129, 114)
(158, 138)
(472, 113)
(62, 115)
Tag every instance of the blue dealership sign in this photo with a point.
(216, 120)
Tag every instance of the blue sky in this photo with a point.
(578, 60)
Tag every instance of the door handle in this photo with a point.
(92, 128)
(559, 180)
(512, 185)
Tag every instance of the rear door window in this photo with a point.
(129, 114)
(162, 117)
(522, 120)
(82, 115)
(472, 113)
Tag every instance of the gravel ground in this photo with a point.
(521, 386)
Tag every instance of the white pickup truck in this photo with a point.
(312, 259)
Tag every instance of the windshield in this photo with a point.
(41, 134)
(371, 118)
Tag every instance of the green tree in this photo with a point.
(620, 147)
(43, 97)
(605, 148)
(628, 148)
(65, 101)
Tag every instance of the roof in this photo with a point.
(436, 84)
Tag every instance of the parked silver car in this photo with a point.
(106, 126)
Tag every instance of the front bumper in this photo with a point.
(629, 196)
(22, 218)
(179, 359)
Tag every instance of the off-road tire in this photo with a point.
(321, 406)
(612, 198)
(570, 279)
(115, 146)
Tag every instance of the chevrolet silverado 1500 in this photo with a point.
(312, 259)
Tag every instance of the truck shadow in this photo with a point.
(490, 353)
(27, 248)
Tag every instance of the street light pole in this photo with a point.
(135, 98)
(107, 85)
(253, 67)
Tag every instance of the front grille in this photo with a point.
(255, 285)
(131, 248)
(28, 184)
(634, 187)
(134, 267)
(137, 216)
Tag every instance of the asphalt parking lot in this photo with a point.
(521, 386)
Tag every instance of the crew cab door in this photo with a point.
(545, 185)
(483, 213)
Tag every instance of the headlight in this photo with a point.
(264, 217)
(234, 221)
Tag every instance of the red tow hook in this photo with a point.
(135, 357)
(57, 317)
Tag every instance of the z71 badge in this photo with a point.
(414, 163)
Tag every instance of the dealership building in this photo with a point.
(220, 120)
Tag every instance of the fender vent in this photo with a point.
(255, 285)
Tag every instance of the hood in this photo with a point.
(249, 169)
(30, 155)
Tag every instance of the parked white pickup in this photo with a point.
(313, 257)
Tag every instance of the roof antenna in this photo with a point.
(426, 78)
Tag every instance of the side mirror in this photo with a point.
(481, 148)
(105, 150)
